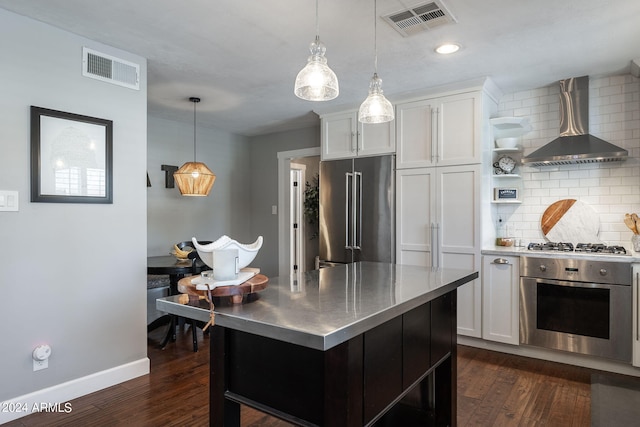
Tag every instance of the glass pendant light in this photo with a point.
(316, 81)
(376, 108)
(194, 178)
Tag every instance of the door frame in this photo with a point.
(284, 205)
(300, 171)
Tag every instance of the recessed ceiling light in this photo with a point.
(448, 48)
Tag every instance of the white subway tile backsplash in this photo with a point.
(609, 90)
(612, 188)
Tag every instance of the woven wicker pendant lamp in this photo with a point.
(194, 178)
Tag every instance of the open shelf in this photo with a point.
(505, 202)
(506, 127)
(507, 150)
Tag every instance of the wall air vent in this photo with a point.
(100, 66)
(420, 18)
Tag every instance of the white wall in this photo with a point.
(264, 188)
(612, 189)
(73, 275)
(173, 218)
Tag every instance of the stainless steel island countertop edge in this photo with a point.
(323, 308)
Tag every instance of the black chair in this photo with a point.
(193, 256)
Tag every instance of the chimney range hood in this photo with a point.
(575, 145)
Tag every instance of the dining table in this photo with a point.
(176, 269)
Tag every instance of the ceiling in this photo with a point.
(241, 57)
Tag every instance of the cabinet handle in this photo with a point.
(437, 136)
(435, 245)
(500, 261)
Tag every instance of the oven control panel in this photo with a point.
(576, 270)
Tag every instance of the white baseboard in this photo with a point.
(56, 398)
(575, 359)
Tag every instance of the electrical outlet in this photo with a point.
(41, 357)
(40, 364)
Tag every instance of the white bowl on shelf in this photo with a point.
(246, 252)
(510, 142)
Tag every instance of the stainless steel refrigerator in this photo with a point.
(357, 210)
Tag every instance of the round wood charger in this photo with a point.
(236, 292)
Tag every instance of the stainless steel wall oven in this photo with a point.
(576, 305)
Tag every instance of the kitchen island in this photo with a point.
(356, 344)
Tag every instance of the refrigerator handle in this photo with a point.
(347, 203)
(357, 211)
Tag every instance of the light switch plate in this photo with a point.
(8, 200)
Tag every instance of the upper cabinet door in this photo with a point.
(338, 136)
(376, 139)
(459, 128)
(441, 131)
(415, 134)
(344, 137)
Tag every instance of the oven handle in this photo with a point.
(537, 280)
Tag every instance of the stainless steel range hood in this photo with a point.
(575, 145)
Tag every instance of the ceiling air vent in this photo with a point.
(420, 18)
(110, 69)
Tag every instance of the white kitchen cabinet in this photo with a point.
(500, 299)
(636, 315)
(438, 225)
(439, 131)
(415, 216)
(343, 136)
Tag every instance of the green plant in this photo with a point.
(312, 205)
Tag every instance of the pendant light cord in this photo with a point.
(195, 101)
(317, 23)
(375, 36)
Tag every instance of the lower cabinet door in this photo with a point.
(500, 299)
(416, 344)
(636, 315)
(382, 367)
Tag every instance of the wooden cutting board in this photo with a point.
(570, 221)
(255, 284)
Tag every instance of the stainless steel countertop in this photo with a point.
(633, 257)
(323, 308)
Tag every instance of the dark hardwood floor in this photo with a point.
(494, 389)
(497, 389)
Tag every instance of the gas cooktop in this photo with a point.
(588, 248)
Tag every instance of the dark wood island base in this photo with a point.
(399, 373)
